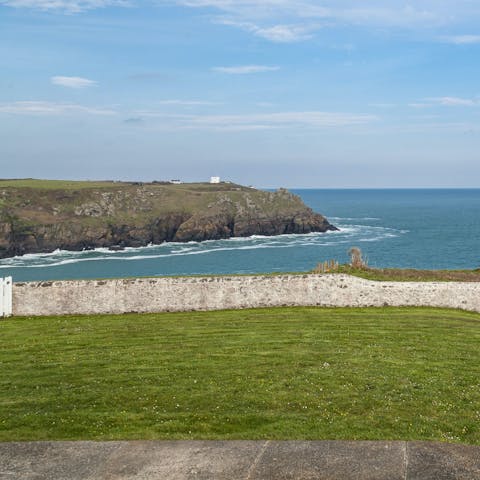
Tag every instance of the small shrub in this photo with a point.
(356, 258)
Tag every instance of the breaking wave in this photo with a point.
(349, 233)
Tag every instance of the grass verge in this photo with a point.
(409, 274)
(290, 373)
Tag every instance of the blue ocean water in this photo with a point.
(432, 229)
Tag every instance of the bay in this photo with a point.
(416, 228)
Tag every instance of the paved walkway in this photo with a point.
(243, 460)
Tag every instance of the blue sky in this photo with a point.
(295, 93)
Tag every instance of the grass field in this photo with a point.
(291, 373)
(41, 184)
(411, 274)
(55, 184)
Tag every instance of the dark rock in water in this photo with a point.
(44, 216)
(116, 248)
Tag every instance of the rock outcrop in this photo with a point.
(43, 216)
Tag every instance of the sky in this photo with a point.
(271, 93)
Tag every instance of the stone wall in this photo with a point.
(217, 293)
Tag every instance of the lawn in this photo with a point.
(290, 373)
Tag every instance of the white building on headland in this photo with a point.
(214, 179)
(176, 182)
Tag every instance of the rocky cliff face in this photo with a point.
(43, 217)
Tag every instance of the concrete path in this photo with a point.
(243, 460)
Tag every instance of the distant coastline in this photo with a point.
(419, 229)
(41, 216)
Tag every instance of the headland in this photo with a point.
(40, 216)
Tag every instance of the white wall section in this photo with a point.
(166, 294)
(6, 297)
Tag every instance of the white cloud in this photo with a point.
(51, 108)
(419, 105)
(283, 119)
(73, 82)
(446, 102)
(454, 101)
(245, 69)
(391, 12)
(276, 33)
(284, 33)
(462, 39)
(258, 121)
(293, 20)
(186, 103)
(67, 6)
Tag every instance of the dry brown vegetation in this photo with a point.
(359, 267)
(411, 274)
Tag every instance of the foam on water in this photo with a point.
(354, 219)
(345, 234)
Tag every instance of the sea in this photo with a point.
(407, 228)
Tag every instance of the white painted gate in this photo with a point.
(6, 297)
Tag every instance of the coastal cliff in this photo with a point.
(41, 216)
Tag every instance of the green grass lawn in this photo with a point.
(290, 373)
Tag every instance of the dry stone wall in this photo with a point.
(233, 292)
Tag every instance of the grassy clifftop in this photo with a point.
(42, 215)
